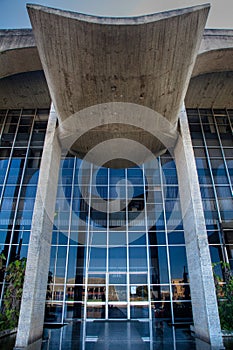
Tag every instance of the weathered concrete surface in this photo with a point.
(211, 84)
(22, 82)
(90, 60)
(31, 318)
(212, 90)
(18, 52)
(215, 53)
(24, 90)
(204, 303)
(145, 60)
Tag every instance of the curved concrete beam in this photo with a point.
(146, 60)
(212, 90)
(19, 61)
(18, 53)
(218, 60)
(215, 53)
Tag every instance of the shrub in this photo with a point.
(224, 293)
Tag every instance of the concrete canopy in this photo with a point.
(146, 60)
(211, 84)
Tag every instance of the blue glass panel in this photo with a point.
(117, 278)
(157, 238)
(178, 263)
(3, 235)
(137, 259)
(98, 238)
(139, 311)
(101, 176)
(97, 260)
(116, 175)
(135, 176)
(117, 311)
(59, 238)
(176, 237)
(76, 264)
(158, 265)
(117, 238)
(117, 259)
(137, 238)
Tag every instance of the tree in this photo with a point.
(224, 293)
(14, 276)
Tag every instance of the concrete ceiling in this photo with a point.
(24, 90)
(212, 90)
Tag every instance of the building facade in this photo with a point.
(110, 230)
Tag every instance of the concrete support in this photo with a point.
(204, 303)
(31, 318)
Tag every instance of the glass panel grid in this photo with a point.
(19, 170)
(215, 173)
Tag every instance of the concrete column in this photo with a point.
(204, 302)
(31, 320)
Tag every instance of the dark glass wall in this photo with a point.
(22, 135)
(118, 247)
(211, 132)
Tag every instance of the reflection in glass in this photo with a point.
(117, 259)
(76, 264)
(73, 311)
(96, 311)
(181, 291)
(139, 311)
(117, 293)
(138, 293)
(117, 238)
(53, 313)
(57, 293)
(97, 260)
(137, 259)
(137, 238)
(158, 265)
(179, 270)
(157, 237)
(117, 311)
(176, 237)
(75, 293)
(137, 278)
(117, 278)
(96, 293)
(158, 292)
(96, 278)
(182, 311)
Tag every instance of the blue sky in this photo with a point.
(13, 13)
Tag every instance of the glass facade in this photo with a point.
(22, 135)
(211, 132)
(118, 249)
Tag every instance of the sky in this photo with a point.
(13, 13)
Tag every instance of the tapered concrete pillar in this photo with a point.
(31, 318)
(204, 303)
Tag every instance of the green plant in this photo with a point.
(2, 259)
(14, 276)
(224, 293)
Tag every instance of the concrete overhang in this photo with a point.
(146, 61)
(215, 53)
(211, 84)
(22, 81)
(18, 53)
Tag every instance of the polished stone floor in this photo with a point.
(133, 335)
(118, 335)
